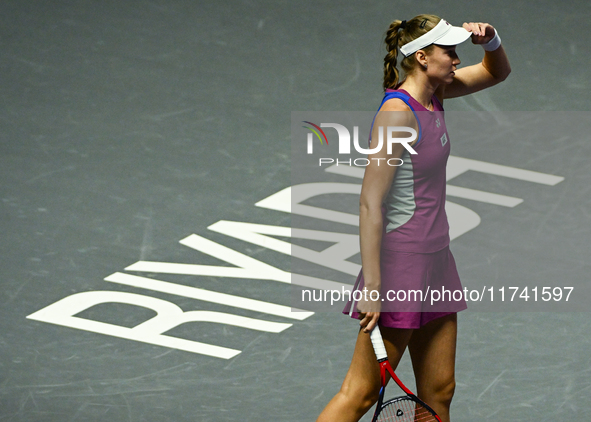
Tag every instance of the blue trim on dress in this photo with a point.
(406, 99)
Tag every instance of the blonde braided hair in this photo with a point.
(400, 33)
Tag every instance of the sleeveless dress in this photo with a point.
(420, 281)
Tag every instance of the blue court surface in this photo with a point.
(145, 159)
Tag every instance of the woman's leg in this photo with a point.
(361, 386)
(433, 353)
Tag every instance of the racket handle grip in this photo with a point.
(378, 344)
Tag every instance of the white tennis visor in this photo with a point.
(443, 34)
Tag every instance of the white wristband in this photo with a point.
(493, 44)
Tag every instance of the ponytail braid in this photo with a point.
(391, 74)
(400, 33)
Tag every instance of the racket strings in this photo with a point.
(405, 411)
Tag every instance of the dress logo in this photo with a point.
(444, 139)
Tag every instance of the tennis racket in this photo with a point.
(408, 408)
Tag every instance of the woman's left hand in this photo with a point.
(481, 32)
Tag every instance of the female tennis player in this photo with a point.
(404, 232)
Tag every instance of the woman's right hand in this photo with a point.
(369, 313)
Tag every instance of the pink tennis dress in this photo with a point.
(420, 281)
